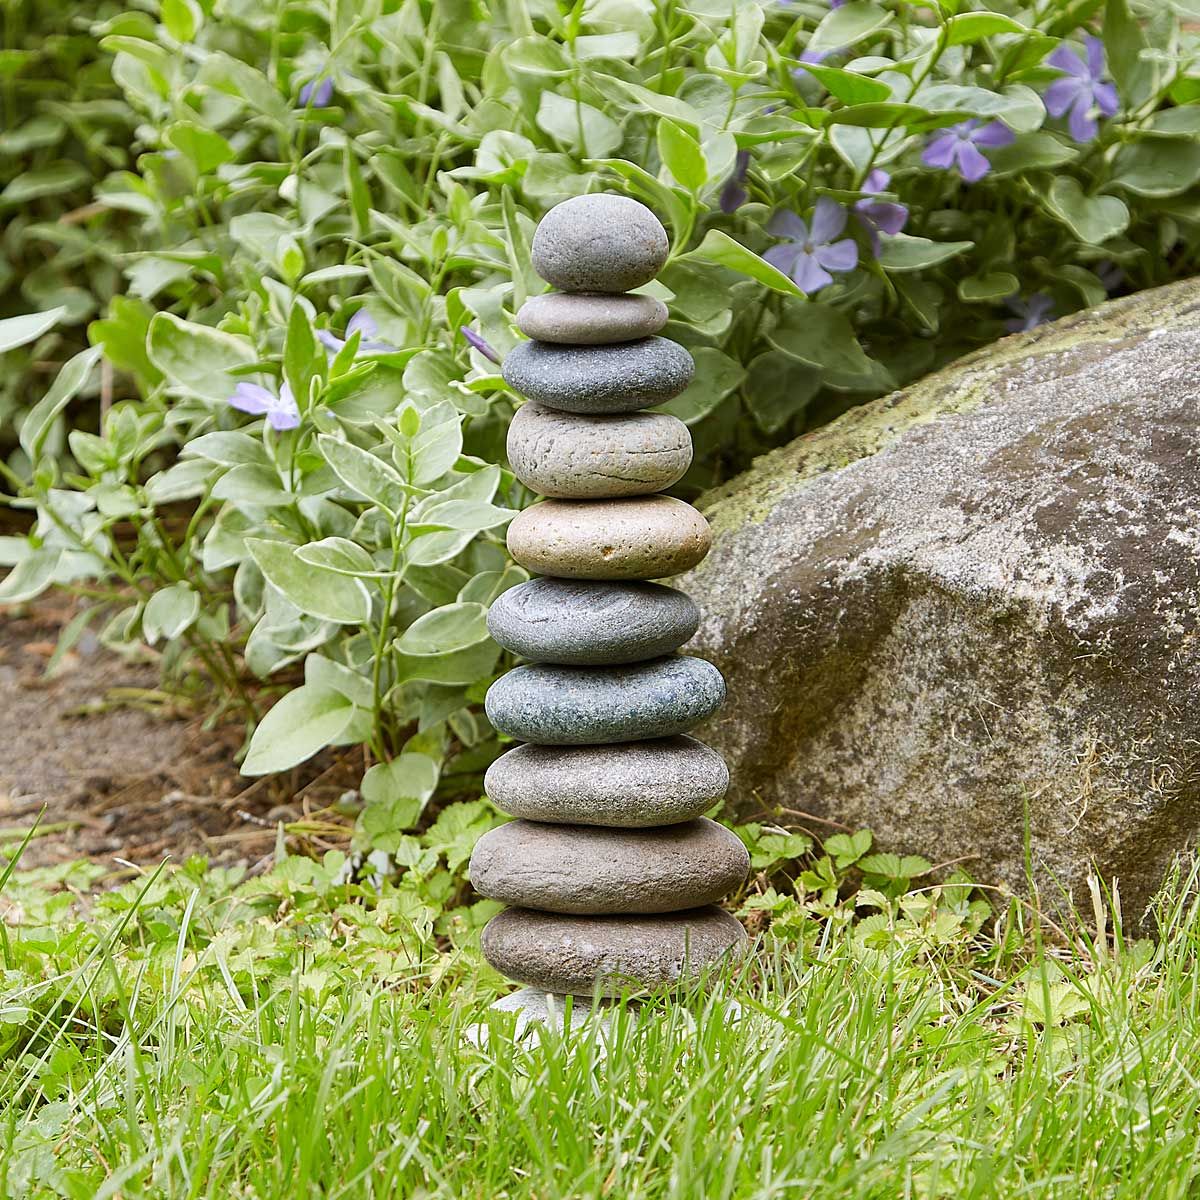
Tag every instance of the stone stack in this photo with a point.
(610, 867)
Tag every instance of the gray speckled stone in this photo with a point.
(617, 378)
(589, 871)
(642, 537)
(590, 623)
(599, 243)
(581, 706)
(630, 785)
(573, 457)
(590, 319)
(605, 955)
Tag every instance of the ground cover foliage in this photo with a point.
(298, 232)
(196, 1033)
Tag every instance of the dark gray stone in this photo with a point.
(569, 456)
(969, 613)
(599, 243)
(639, 537)
(629, 785)
(580, 706)
(618, 378)
(591, 623)
(588, 319)
(586, 870)
(604, 956)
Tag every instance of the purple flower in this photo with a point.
(317, 92)
(1082, 90)
(479, 343)
(733, 194)
(1110, 275)
(808, 256)
(363, 324)
(958, 146)
(1031, 313)
(280, 410)
(879, 216)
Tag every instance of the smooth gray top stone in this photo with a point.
(568, 456)
(592, 623)
(582, 706)
(599, 243)
(607, 955)
(618, 378)
(588, 319)
(586, 870)
(628, 785)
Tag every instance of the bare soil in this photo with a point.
(125, 774)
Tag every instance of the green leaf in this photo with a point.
(993, 286)
(20, 331)
(195, 359)
(974, 26)
(169, 612)
(1124, 40)
(844, 26)
(303, 722)
(410, 776)
(445, 629)
(363, 473)
(67, 384)
(252, 483)
(823, 337)
(721, 249)
(229, 448)
(204, 148)
(313, 590)
(849, 87)
(682, 156)
(1157, 167)
(717, 376)
(302, 361)
(1092, 219)
(340, 555)
(578, 127)
(905, 253)
(59, 177)
(181, 18)
(1041, 150)
(31, 576)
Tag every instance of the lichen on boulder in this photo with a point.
(970, 609)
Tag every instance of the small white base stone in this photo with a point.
(535, 1007)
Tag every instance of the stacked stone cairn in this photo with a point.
(610, 868)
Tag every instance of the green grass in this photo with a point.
(282, 1040)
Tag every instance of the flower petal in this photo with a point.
(330, 340)
(828, 220)
(252, 398)
(733, 196)
(282, 419)
(362, 322)
(1107, 99)
(971, 164)
(1081, 123)
(785, 224)
(783, 257)
(1094, 48)
(839, 256)
(877, 181)
(808, 274)
(1065, 59)
(994, 134)
(1061, 94)
(940, 152)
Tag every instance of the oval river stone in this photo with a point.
(584, 870)
(629, 785)
(604, 955)
(590, 623)
(599, 243)
(573, 457)
(589, 319)
(645, 537)
(617, 378)
(584, 706)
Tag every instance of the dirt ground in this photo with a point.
(126, 773)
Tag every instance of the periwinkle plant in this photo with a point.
(298, 488)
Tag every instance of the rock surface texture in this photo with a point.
(979, 598)
(611, 868)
